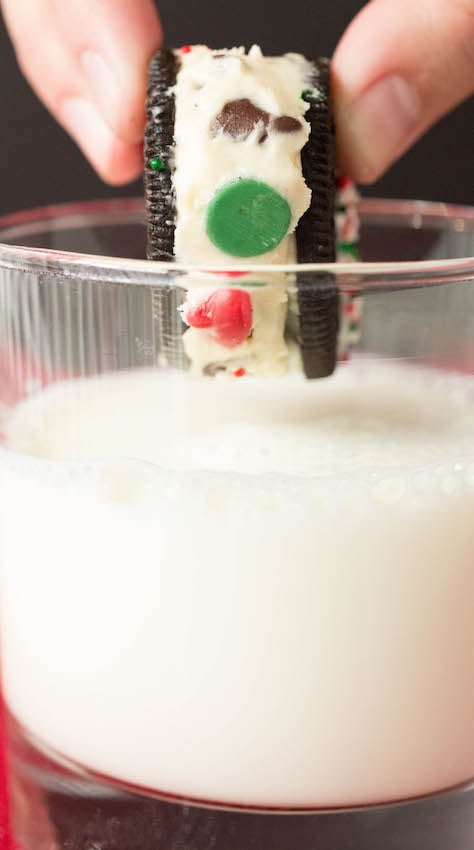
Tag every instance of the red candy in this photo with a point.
(239, 373)
(228, 312)
(198, 316)
(350, 308)
(186, 48)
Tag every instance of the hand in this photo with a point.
(87, 59)
(400, 66)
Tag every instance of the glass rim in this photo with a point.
(412, 213)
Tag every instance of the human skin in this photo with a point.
(398, 68)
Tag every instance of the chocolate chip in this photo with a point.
(212, 369)
(239, 119)
(286, 124)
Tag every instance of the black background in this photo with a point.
(39, 164)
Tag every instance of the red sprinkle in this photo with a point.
(239, 373)
(227, 311)
(226, 274)
(186, 48)
(342, 182)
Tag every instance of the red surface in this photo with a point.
(5, 839)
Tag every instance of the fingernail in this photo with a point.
(104, 86)
(384, 122)
(85, 124)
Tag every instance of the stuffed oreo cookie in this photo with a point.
(239, 170)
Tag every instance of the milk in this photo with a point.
(246, 592)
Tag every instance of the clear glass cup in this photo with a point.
(236, 612)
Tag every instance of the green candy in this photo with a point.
(247, 218)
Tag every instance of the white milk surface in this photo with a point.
(248, 592)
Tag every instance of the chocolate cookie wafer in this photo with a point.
(159, 152)
(159, 199)
(318, 297)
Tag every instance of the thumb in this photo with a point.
(86, 59)
(399, 67)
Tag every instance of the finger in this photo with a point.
(87, 59)
(67, 98)
(116, 162)
(113, 42)
(398, 68)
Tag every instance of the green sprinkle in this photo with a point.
(156, 164)
(306, 93)
(354, 327)
(350, 248)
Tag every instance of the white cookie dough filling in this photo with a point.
(211, 150)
